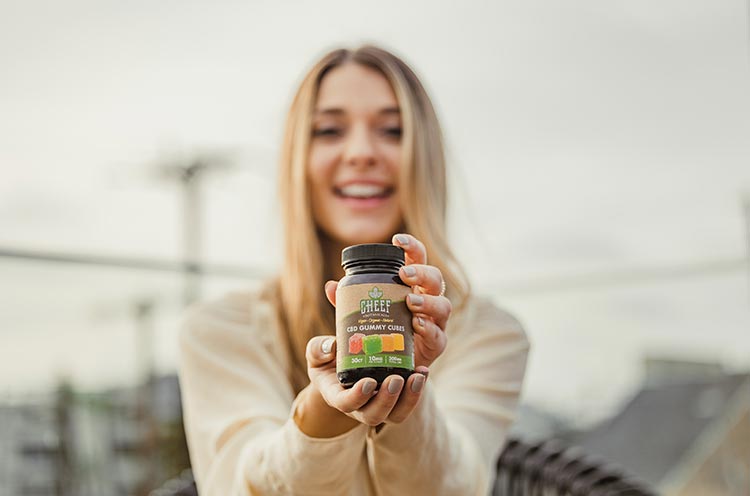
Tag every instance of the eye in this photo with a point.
(327, 131)
(393, 131)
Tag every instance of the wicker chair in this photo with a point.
(523, 469)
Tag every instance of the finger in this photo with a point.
(408, 399)
(376, 411)
(425, 371)
(330, 289)
(414, 250)
(426, 277)
(347, 400)
(320, 351)
(438, 308)
(434, 338)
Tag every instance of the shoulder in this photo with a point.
(237, 316)
(480, 315)
(490, 313)
(483, 338)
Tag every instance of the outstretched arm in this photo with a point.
(238, 408)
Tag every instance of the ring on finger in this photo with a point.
(442, 288)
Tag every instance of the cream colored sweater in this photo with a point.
(238, 406)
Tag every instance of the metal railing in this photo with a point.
(550, 468)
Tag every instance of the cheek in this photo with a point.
(319, 171)
(316, 162)
(393, 157)
(321, 160)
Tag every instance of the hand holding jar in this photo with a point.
(382, 363)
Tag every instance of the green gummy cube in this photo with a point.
(372, 344)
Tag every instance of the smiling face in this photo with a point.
(355, 156)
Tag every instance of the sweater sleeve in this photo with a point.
(238, 407)
(451, 442)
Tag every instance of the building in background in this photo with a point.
(117, 442)
(686, 433)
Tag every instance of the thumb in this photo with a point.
(320, 350)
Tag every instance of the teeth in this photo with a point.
(362, 190)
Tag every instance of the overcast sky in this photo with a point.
(585, 137)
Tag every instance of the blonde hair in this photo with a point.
(301, 303)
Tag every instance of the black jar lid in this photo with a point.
(380, 252)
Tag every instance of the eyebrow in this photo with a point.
(340, 111)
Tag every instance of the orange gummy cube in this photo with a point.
(388, 344)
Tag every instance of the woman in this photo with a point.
(362, 161)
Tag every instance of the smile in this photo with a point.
(363, 191)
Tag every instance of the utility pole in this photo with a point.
(189, 174)
(143, 310)
(746, 212)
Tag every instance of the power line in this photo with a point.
(623, 277)
(131, 263)
(612, 278)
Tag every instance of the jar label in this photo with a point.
(373, 327)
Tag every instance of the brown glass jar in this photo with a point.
(374, 334)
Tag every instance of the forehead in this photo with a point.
(355, 88)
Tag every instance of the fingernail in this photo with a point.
(416, 300)
(416, 386)
(402, 240)
(369, 387)
(327, 346)
(421, 322)
(395, 385)
(410, 271)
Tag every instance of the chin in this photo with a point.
(358, 235)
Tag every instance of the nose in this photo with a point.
(360, 149)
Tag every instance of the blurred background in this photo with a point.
(600, 190)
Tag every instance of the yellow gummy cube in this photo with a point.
(398, 341)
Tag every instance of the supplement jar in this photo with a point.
(374, 334)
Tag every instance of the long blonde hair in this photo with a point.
(302, 306)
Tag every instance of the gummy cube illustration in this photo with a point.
(372, 344)
(387, 342)
(355, 343)
(398, 341)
